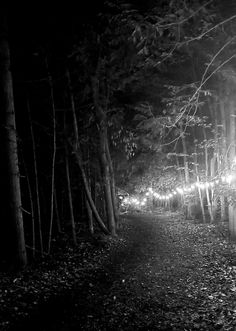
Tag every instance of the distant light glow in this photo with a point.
(139, 201)
(200, 185)
(228, 179)
(223, 178)
(180, 190)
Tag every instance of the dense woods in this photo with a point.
(111, 100)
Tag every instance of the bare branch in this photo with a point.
(185, 19)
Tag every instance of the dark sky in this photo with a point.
(55, 26)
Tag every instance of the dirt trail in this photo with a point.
(165, 278)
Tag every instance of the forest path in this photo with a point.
(170, 275)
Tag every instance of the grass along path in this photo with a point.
(169, 274)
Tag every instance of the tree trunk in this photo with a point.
(78, 155)
(213, 199)
(106, 181)
(232, 141)
(90, 218)
(214, 164)
(57, 212)
(53, 159)
(72, 219)
(32, 213)
(89, 210)
(7, 106)
(186, 167)
(88, 194)
(36, 181)
(102, 124)
(223, 153)
(197, 177)
(206, 174)
(181, 178)
(113, 185)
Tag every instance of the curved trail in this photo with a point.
(162, 279)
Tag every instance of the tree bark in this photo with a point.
(102, 124)
(90, 218)
(206, 174)
(232, 141)
(7, 106)
(53, 158)
(57, 212)
(113, 185)
(36, 181)
(186, 167)
(216, 156)
(223, 160)
(72, 219)
(33, 247)
(198, 181)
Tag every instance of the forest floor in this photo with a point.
(161, 273)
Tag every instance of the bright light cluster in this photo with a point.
(140, 202)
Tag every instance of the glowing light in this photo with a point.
(150, 190)
(223, 178)
(147, 194)
(217, 181)
(228, 179)
(200, 185)
(180, 190)
(126, 200)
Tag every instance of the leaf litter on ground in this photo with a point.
(163, 272)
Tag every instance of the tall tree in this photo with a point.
(232, 149)
(9, 125)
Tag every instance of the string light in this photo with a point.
(180, 190)
(228, 178)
